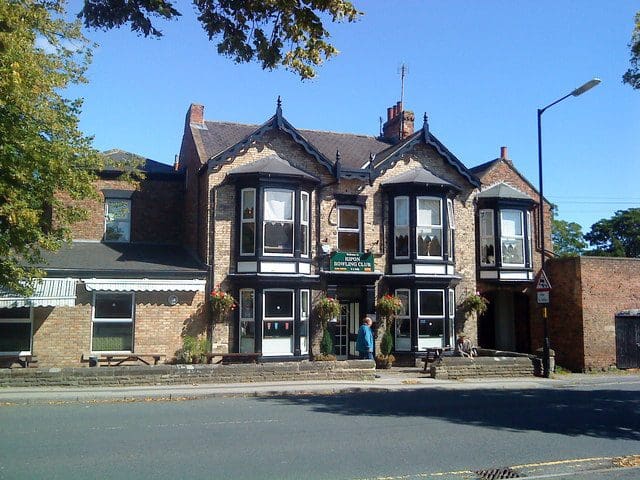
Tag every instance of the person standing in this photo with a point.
(364, 341)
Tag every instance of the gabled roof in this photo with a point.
(271, 165)
(391, 155)
(419, 176)
(504, 191)
(356, 153)
(115, 156)
(480, 170)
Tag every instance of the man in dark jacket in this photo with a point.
(364, 342)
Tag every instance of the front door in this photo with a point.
(345, 330)
(628, 341)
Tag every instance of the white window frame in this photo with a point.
(244, 221)
(284, 220)
(516, 237)
(529, 240)
(426, 340)
(403, 343)
(114, 320)
(278, 345)
(432, 226)
(305, 202)
(397, 228)
(126, 237)
(350, 230)
(487, 238)
(452, 315)
(304, 320)
(16, 320)
(251, 319)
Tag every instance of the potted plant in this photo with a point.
(387, 306)
(221, 304)
(327, 308)
(385, 359)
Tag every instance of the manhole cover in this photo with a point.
(496, 474)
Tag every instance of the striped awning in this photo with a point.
(143, 285)
(48, 292)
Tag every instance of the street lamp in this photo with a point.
(578, 91)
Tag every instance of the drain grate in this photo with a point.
(496, 474)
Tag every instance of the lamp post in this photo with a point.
(578, 91)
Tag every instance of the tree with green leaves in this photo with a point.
(632, 76)
(568, 240)
(45, 160)
(288, 33)
(618, 236)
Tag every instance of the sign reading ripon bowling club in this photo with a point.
(351, 262)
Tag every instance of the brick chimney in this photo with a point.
(196, 114)
(503, 153)
(399, 124)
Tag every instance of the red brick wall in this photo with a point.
(156, 212)
(603, 286)
(566, 328)
(61, 335)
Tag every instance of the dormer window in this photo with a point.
(117, 214)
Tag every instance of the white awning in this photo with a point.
(143, 285)
(48, 292)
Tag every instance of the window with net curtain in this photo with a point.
(512, 237)
(429, 227)
(278, 221)
(113, 322)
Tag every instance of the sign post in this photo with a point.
(543, 287)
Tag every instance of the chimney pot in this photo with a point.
(503, 153)
(399, 105)
(389, 113)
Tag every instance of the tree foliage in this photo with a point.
(568, 240)
(618, 236)
(44, 159)
(632, 76)
(289, 33)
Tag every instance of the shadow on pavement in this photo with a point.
(610, 414)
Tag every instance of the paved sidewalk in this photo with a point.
(395, 379)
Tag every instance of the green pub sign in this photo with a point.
(351, 262)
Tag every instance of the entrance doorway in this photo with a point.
(345, 330)
(627, 341)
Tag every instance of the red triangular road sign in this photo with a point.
(543, 284)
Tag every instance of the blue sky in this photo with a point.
(479, 69)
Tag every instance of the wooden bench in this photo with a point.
(25, 361)
(226, 358)
(117, 359)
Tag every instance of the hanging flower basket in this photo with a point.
(388, 306)
(221, 304)
(327, 308)
(475, 303)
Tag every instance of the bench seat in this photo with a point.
(117, 359)
(226, 358)
(25, 361)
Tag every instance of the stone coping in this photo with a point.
(177, 374)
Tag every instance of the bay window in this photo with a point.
(430, 318)
(487, 241)
(278, 222)
(247, 320)
(15, 330)
(113, 315)
(248, 222)
(429, 227)
(304, 224)
(451, 222)
(512, 237)
(278, 322)
(401, 227)
(403, 321)
(349, 229)
(305, 306)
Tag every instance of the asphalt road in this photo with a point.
(397, 435)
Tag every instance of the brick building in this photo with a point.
(279, 216)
